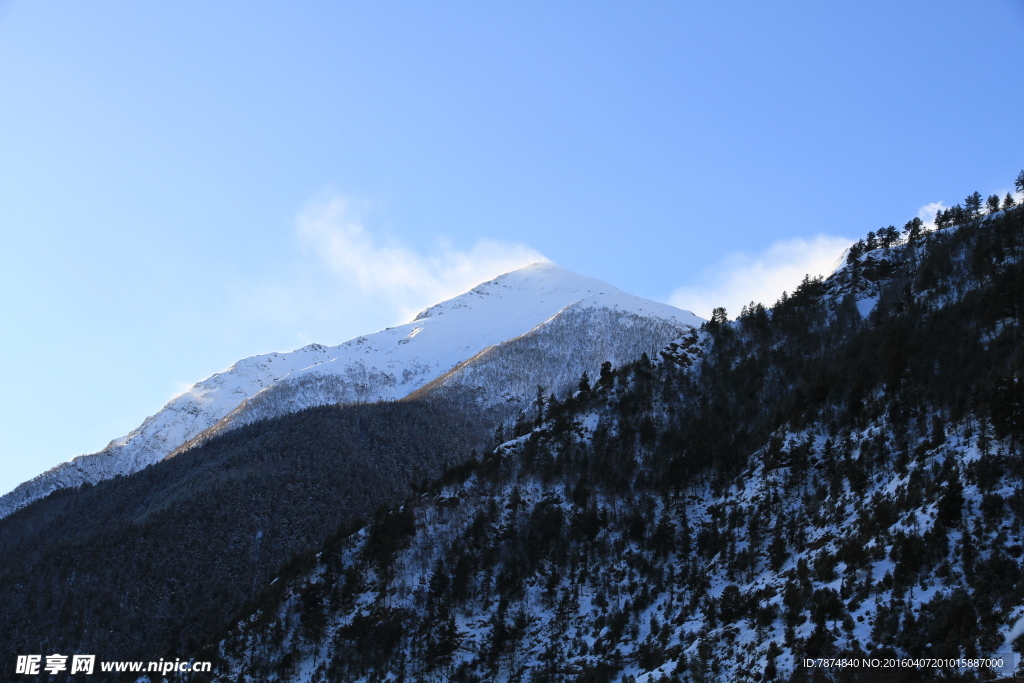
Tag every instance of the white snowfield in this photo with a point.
(390, 364)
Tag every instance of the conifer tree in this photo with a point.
(889, 236)
(914, 228)
(993, 203)
(856, 250)
(956, 215)
(972, 205)
(585, 383)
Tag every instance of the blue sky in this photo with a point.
(185, 184)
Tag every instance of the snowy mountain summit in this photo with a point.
(489, 348)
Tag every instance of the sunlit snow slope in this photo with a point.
(390, 364)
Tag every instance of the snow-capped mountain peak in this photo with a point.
(385, 365)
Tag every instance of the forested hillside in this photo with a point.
(155, 564)
(837, 475)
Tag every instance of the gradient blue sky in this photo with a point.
(185, 184)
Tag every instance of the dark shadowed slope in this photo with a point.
(153, 564)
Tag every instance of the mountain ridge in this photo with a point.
(386, 365)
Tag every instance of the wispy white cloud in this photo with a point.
(348, 279)
(741, 278)
(393, 272)
(928, 212)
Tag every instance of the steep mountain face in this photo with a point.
(837, 476)
(541, 300)
(499, 383)
(540, 326)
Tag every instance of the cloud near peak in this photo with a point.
(406, 279)
(740, 278)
